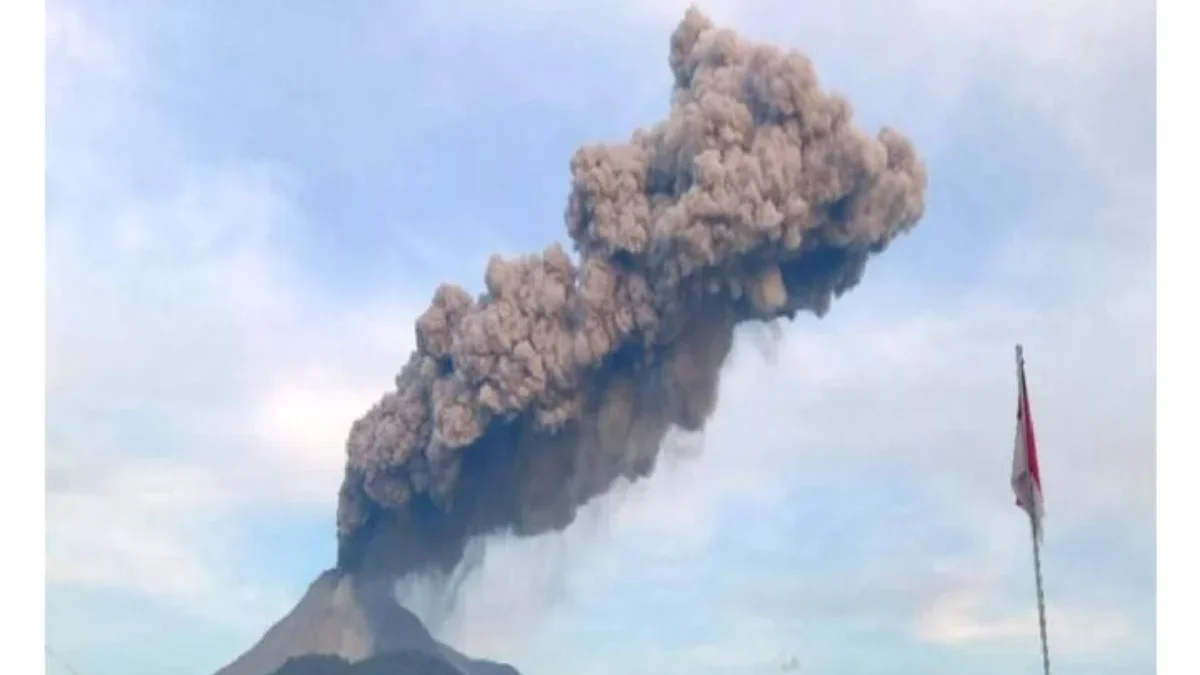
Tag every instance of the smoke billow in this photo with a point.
(755, 199)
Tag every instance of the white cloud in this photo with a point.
(746, 644)
(942, 43)
(192, 352)
(191, 375)
(960, 619)
(142, 528)
(69, 37)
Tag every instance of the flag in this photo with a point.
(1026, 478)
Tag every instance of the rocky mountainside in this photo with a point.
(344, 624)
(400, 663)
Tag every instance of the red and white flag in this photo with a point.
(1026, 479)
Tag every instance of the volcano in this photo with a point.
(345, 624)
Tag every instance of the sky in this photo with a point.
(248, 204)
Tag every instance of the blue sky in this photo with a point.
(247, 206)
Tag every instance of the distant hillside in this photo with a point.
(399, 663)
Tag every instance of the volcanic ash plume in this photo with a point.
(756, 198)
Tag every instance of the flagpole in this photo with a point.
(1041, 597)
(1037, 549)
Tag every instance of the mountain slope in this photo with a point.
(354, 621)
(400, 663)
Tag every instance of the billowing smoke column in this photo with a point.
(755, 199)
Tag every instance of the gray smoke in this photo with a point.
(755, 199)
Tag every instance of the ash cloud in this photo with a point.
(755, 199)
